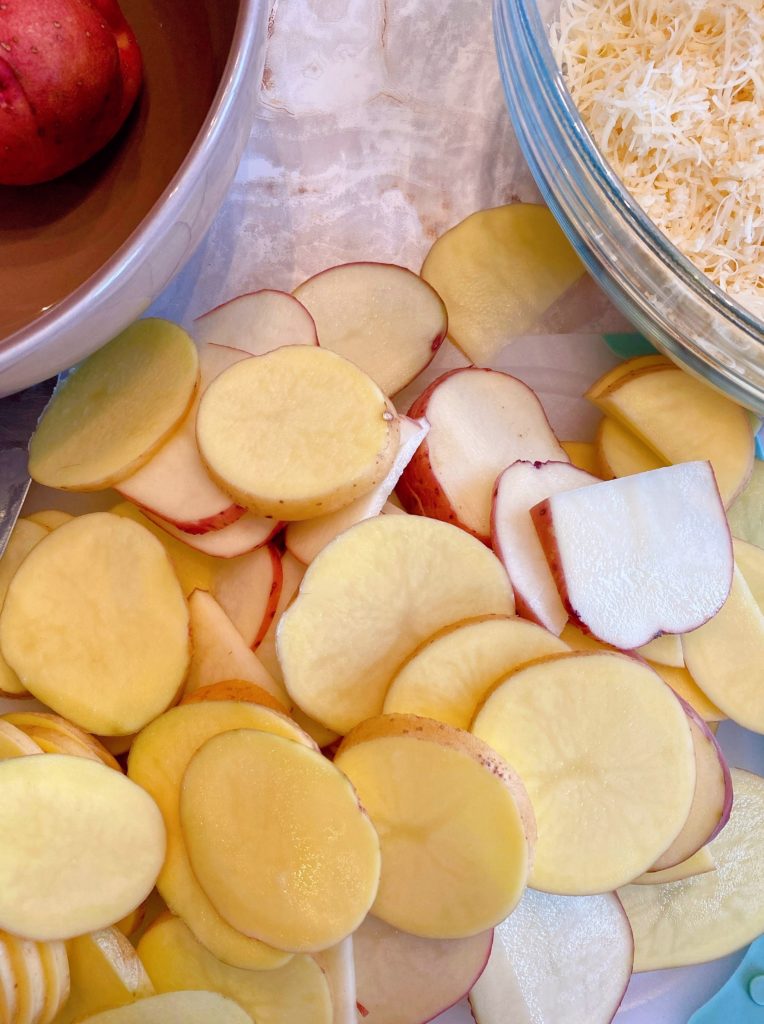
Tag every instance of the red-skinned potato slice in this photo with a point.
(257, 323)
(557, 958)
(174, 485)
(404, 979)
(292, 572)
(381, 317)
(238, 538)
(625, 582)
(481, 421)
(248, 590)
(518, 489)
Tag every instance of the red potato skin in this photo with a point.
(274, 596)
(541, 515)
(158, 521)
(70, 71)
(196, 527)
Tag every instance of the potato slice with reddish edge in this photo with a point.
(29, 979)
(682, 419)
(498, 271)
(278, 840)
(33, 722)
(699, 863)
(25, 536)
(369, 599)
(451, 674)
(174, 484)
(176, 1008)
(296, 993)
(336, 438)
(684, 686)
(235, 689)
(14, 742)
(105, 585)
(292, 573)
(247, 589)
(557, 958)
(338, 964)
(481, 421)
(158, 759)
(514, 538)
(381, 317)
(257, 322)
(725, 657)
(237, 538)
(405, 979)
(706, 916)
(306, 539)
(55, 969)
(116, 408)
(621, 453)
(712, 802)
(455, 824)
(594, 738)
(639, 556)
(105, 972)
(98, 843)
(220, 653)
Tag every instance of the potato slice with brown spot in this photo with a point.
(116, 408)
(278, 840)
(296, 433)
(96, 624)
(455, 824)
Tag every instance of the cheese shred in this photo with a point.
(672, 92)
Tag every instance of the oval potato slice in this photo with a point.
(176, 1008)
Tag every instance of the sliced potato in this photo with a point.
(455, 824)
(596, 738)
(8, 995)
(665, 650)
(278, 840)
(176, 1008)
(682, 683)
(25, 536)
(29, 979)
(235, 689)
(498, 271)
(55, 969)
(14, 742)
(745, 514)
(116, 408)
(158, 760)
(749, 558)
(82, 846)
(296, 433)
(50, 518)
(297, 993)
(96, 624)
(583, 455)
(621, 453)
(369, 599)
(105, 972)
(50, 727)
(700, 863)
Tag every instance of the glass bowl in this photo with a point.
(654, 285)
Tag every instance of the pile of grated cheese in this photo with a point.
(672, 92)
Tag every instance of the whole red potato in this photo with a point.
(70, 71)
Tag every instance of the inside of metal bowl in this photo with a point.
(53, 237)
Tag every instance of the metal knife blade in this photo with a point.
(18, 418)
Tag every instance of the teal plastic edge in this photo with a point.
(627, 346)
(733, 1004)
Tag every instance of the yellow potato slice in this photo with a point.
(297, 993)
(698, 864)
(682, 683)
(116, 408)
(665, 650)
(176, 1008)
(583, 455)
(194, 569)
(449, 675)
(95, 624)
(710, 915)
(8, 993)
(621, 453)
(158, 759)
(682, 419)
(725, 656)
(105, 972)
(50, 727)
(596, 738)
(26, 535)
(498, 271)
(454, 821)
(29, 979)
(50, 518)
(745, 514)
(369, 599)
(55, 969)
(278, 840)
(750, 561)
(624, 369)
(296, 433)
(14, 742)
(82, 846)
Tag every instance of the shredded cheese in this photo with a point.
(672, 92)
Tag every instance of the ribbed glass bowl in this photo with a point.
(654, 285)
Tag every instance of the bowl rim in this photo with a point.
(165, 210)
